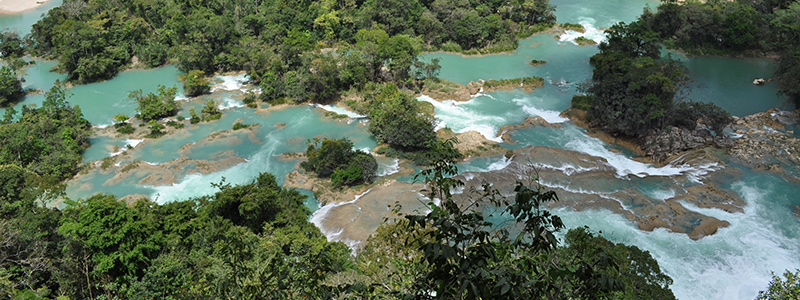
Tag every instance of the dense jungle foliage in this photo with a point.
(10, 87)
(254, 241)
(633, 89)
(49, 140)
(93, 40)
(740, 27)
(337, 159)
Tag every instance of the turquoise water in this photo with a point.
(22, 23)
(733, 264)
(99, 101)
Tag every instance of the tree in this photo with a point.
(787, 287)
(211, 111)
(10, 87)
(633, 90)
(155, 106)
(49, 140)
(622, 264)
(397, 120)
(464, 255)
(788, 75)
(155, 129)
(195, 83)
(741, 26)
(11, 45)
(117, 238)
(338, 160)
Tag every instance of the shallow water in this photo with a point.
(732, 264)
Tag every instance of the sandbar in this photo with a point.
(17, 6)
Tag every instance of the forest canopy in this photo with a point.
(740, 27)
(49, 140)
(94, 40)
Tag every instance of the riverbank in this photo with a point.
(12, 7)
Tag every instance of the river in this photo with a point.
(732, 264)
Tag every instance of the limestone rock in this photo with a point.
(674, 140)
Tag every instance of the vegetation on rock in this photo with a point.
(337, 159)
(633, 90)
(195, 83)
(10, 87)
(155, 106)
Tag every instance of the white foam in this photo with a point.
(734, 263)
(388, 169)
(463, 119)
(660, 194)
(129, 142)
(339, 110)
(565, 168)
(550, 116)
(625, 166)
(500, 164)
(228, 103)
(592, 33)
(231, 83)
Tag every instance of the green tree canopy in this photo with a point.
(155, 106)
(10, 87)
(49, 140)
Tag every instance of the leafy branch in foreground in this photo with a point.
(466, 255)
(782, 288)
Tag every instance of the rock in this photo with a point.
(707, 227)
(763, 142)
(505, 131)
(472, 143)
(707, 196)
(674, 140)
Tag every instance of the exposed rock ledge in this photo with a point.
(559, 169)
(764, 141)
(354, 219)
(658, 147)
(675, 140)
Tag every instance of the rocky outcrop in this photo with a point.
(441, 90)
(674, 140)
(537, 121)
(584, 182)
(472, 143)
(763, 141)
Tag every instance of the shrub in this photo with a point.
(155, 106)
(238, 125)
(125, 128)
(337, 159)
(583, 102)
(195, 83)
